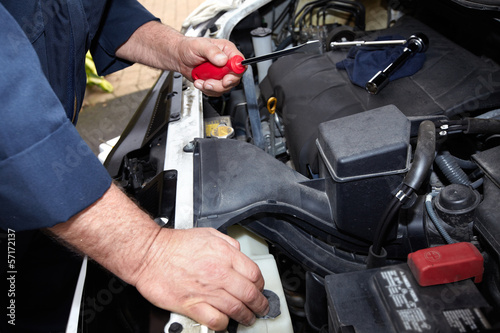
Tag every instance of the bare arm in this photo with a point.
(160, 46)
(197, 272)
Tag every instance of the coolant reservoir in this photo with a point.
(257, 250)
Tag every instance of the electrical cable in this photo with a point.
(283, 14)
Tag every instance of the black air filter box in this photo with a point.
(365, 157)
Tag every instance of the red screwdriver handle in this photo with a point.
(208, 70)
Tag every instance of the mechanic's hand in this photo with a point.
(160, 46)
(195, 51)
(202, 274)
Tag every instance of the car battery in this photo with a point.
(389, 300)
(364, 158)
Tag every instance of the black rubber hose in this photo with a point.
(287, 41)
(386, 219)
(424, 155)
(482, 126)
(452, 171)
(465, 164)
(422, 162)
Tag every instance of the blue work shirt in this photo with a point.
(47, 172)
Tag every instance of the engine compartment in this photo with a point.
(350, 153)
(343, 185)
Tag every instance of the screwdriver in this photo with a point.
(207, 70)
(237, 64)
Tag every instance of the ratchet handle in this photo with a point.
(207, 70)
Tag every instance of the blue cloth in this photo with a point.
(48, 173)
(363, 62)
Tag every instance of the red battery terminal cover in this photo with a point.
(208, 70)
(446, 264)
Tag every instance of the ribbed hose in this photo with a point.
(452, 171)
(465, 164)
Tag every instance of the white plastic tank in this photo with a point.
(257, 250)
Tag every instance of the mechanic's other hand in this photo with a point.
(195, 51)
(202, 274)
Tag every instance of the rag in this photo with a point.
(363, 62)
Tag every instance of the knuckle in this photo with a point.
(235, 309)
(218, 272)
(250, 294)
(254, 274)
(217, 323)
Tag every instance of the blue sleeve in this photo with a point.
(47, 172)
(121, 19)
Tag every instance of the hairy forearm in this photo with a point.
(144, 46)
(113, 231)
(196, 272)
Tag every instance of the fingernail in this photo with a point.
(252, 321)
(198, 85)
(266, 311)
(229, 83)
(220, 58)
(209, 87)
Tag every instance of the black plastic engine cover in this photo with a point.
(310, 90)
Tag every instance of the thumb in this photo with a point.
(214, 55)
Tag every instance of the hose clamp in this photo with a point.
(401, 196)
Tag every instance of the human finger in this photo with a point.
(229, 305)
(211, 87)
(214, 53)
(245, 270)
(227, 47)
(230, 80)
(225, 237)
(249, 269)
(234, 296)
(239, 285)
(208, 315)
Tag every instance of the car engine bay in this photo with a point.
(379, 209)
